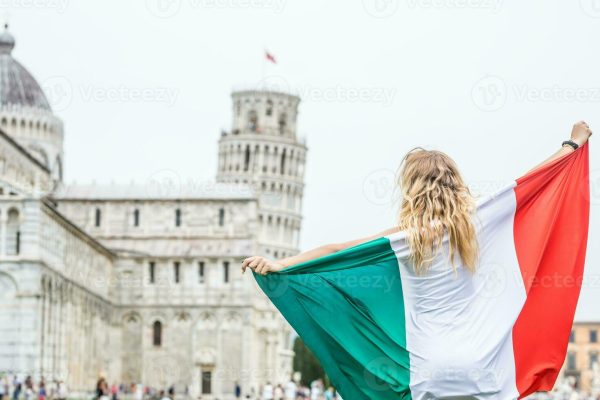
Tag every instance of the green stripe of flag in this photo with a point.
(348, 309)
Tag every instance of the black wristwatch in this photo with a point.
(571, 143)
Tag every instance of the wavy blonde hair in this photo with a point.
(436, 201)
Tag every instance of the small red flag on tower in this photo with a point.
(270, 57)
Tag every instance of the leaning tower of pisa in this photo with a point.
(263, 150)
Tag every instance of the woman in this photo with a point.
(460, 300)
(435, 201)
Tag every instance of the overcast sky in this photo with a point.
(143, 89)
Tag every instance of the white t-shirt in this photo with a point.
(290, 390)
(268, 392)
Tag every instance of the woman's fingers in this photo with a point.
(260, 265)
(254, 263)
(248, 262)
(245, 263)
(263, 267)
(260, 268)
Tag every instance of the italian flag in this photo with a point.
(382, 332)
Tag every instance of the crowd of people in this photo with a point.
(15, 389)
(104, 391)
(293, 391)
(268, 391)
(12, 388)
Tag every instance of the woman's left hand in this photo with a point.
(261, 265)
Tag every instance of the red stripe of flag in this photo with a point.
(550, 232)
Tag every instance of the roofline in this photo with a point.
(266, 91)
(138, 199)
(24, 151)
(49, 205)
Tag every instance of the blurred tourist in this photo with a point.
(278, 392)
(290, 390)
(61, 390)
(42, 389)
(267, 393)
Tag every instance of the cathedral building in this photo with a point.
(141, 283)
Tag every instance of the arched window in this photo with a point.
(282, 123)
(136, 217)
(98, 217)
(178, 217)
(282, 166)
(176, 271)
(152, 271)
(252, 121)
(226, 271)
(157, 333)
(247, 158)
(206, 382)
(221, 216)
(13, 233)
(200, 271)
(57, 172)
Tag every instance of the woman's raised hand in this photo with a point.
(261, 265)
(581, 133)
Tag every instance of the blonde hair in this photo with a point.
(436, 201)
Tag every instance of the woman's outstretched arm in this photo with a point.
(580, 134)
(263, 265)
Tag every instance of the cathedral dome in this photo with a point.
(17, 86)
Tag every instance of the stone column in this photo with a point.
(3, 222)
